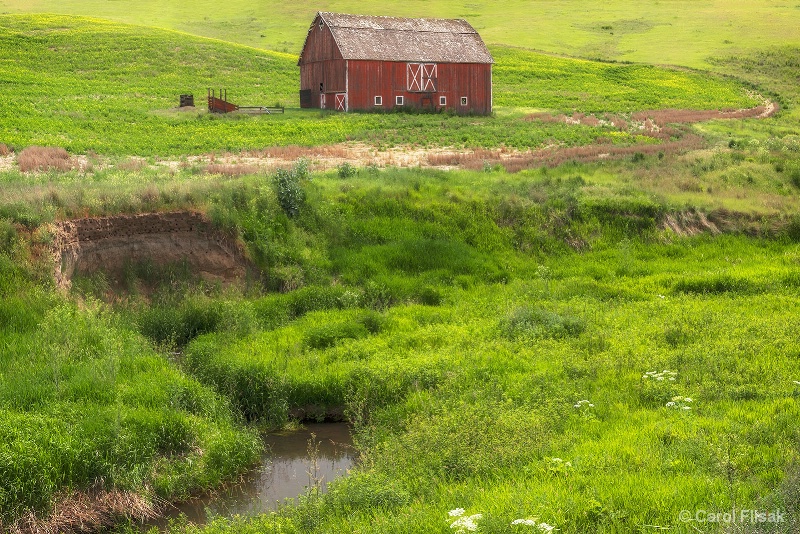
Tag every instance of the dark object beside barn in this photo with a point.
(355, 62)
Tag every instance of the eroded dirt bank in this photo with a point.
(111, 243)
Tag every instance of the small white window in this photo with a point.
(321, 24)
(463, 100)
(398, 100)
(442, 100)
(378, 100)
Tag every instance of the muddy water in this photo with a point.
(284, 474)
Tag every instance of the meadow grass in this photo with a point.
(422, 305)
(680, 33)
(86, 404)
(514, 356)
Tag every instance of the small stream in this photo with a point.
(283, 474)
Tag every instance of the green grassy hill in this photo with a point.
(112, 89)
(678, 32)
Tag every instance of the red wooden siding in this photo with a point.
(368, 79)
(420, 83)
(322, 63)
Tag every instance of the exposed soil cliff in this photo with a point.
(111, 243)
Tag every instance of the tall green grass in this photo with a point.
(86, 403)
(422, 305)
(515, 356)
(485, 359)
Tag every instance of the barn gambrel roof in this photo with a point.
(404, 39)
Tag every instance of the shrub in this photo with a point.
(289, 189)
(364, 490)
(22, 213)
(324, 336)
(346, 170)
(792, 230)
(179, 325)
(716, 284)
(794, 177)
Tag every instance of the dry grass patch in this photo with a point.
(294, 152)
(132, 164)
(686, 116)
(43, 158)
(553, 157)
(82, 512)
(232, 169)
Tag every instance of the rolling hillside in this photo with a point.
(682, 32)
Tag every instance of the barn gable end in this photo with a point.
(355, 62)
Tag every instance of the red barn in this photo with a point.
(355, 62)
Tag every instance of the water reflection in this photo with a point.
(283, 475)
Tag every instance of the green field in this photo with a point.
(590, 345)
(112, 89)
(676, 32)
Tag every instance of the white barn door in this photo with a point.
(421, 77)
(341, 101)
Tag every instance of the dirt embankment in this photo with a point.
(110, 244)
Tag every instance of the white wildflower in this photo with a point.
(458, 512)
(541, 527)
(679, 402)
(796, 382)
(466, 523)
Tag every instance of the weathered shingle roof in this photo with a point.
(402, 39)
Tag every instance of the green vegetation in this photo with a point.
(86, 402)
(428, 304)
(589, 86)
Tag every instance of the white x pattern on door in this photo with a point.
(421, 77)
(341, 101)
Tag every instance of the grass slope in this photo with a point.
(94, 86)
(679, 32)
